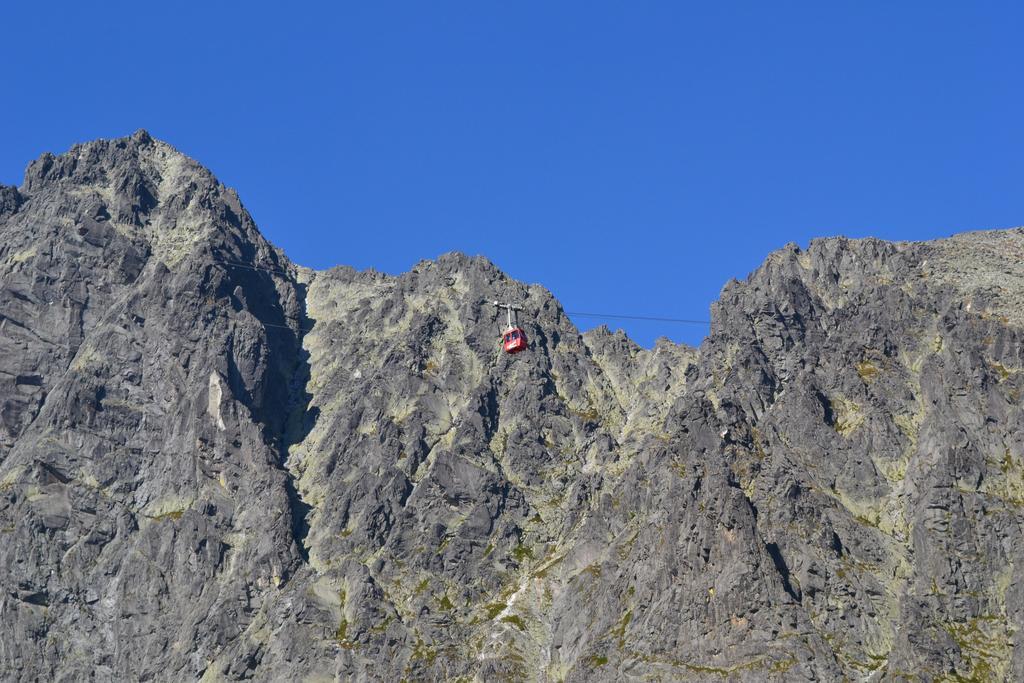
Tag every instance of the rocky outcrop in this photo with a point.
(215, 464)
(142, 401)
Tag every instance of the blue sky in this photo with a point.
(632, 157)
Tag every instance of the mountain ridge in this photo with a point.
(217, 464)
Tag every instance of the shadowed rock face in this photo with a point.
(215, 464)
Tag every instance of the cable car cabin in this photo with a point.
(514, 340)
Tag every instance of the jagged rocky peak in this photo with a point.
(142, 188)
(139, 167)
(215, 465)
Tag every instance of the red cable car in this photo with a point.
(514, 340)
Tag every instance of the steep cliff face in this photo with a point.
(144, 507)
(215, 464)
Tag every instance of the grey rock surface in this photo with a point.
(217, 465)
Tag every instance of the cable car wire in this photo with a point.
(638, 317)
(277, 271)
(603, 316)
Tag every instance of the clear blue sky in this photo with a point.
(631, 156)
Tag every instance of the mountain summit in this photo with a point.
(217, 465)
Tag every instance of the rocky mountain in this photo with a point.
(217, 465)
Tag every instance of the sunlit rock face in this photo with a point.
(217, 465)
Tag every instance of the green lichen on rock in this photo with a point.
(867, 370)
(515, 620)
(172, 515)
(521, 553)
(985, 644)
(619, 632)
(494, 609)
(848, 415)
